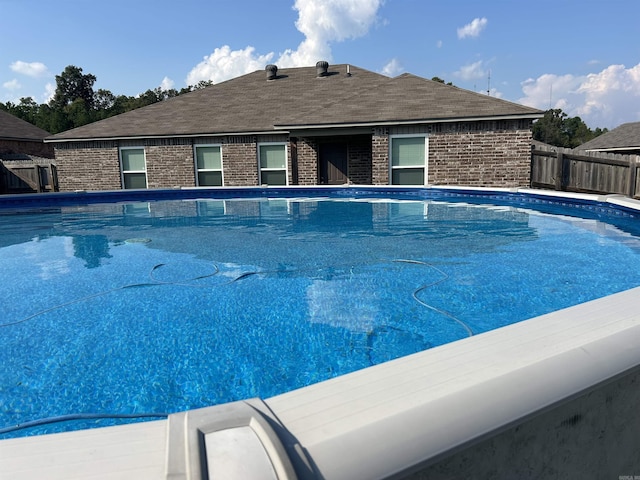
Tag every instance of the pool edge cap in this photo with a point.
(226, 441)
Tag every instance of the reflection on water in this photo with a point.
(281, 222)
(165, 306)
(91, 248)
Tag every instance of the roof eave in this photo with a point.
(146, 137)
(386, 123)
(610, 149)
(285, 128)
(22, 139)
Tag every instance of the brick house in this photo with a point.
(20, 137)
(624, 139)
(305, 126)
(26, 162)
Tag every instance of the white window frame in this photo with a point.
(123, 172)
(286, 162)
(426, 156)
(195, 162)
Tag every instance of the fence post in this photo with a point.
(4, 187)
(559, 170)
(54, 177)
(633, 173)
(39, 182)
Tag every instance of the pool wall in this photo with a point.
(551, 397)
(592, 436)
(510, 196)
(546, 398)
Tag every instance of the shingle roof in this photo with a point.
(297, 97)
(409, 98)
(624, 137)
(14, 128)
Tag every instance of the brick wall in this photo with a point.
(360, 160)
(489, 154)
(498, 158)
(380, 157)
(481, 154)
(88, 166)
(39, 149)
(240, 162)
(307, 161)
(170, 165)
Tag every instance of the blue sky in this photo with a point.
(581, 56)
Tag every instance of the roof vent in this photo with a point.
(272, 72)
(321, 68)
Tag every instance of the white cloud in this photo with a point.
(471, 71)
(439, 44)
(552, 91)
(473, 29)
(604, 99)
(49, 92)
(326, 21)
(167, 84)
(224, 63)
(494, 92)
(12, 85)
(33, 69)
(393, 68)
(320, 21)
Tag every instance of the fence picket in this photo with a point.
(580, 171)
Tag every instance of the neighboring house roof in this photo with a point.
(625, 137)
(23, 157)
(14, 128)
(298, 98)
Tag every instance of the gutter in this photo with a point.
(612, 149)
(146, 137)
(409, 122)
(286, 129)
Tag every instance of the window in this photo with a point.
(408, 160)
(134, 168)
(208, 165)
(272, 158)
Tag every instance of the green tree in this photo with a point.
(557, 128)
(75, 103)
(28, 110)
(548, 129)
(73, 100)
(440, 80)
(78, 113)
(103, 99)
(201, 84)
(577, 131)
(71, 85)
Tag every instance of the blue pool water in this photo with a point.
(129, 309)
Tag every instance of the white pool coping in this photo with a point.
(380, 421)
(376, 422)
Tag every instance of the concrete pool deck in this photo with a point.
(553, 396)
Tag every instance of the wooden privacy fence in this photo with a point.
(18, 177)
(579, 171)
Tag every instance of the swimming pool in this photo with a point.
(134, 308)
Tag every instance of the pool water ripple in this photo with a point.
(225, 300)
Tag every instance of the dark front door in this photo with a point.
(333, 163)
